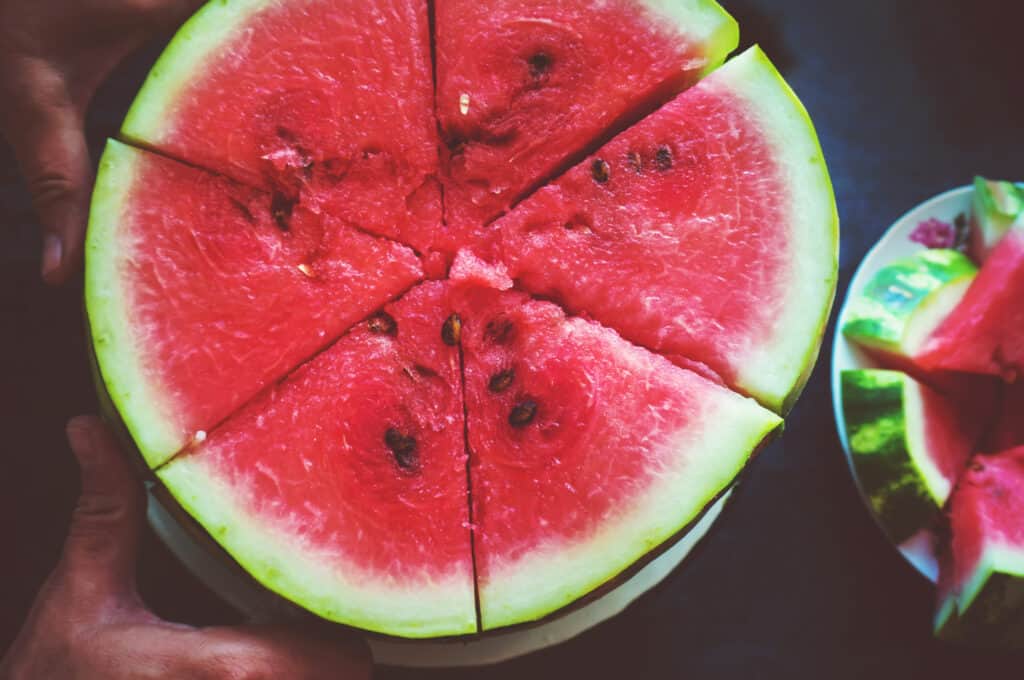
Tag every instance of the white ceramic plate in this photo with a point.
(260, 606)
(895, 244)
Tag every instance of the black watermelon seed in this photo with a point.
(523, 413)
(540, 64)
(403, 447)
(281, 211)
(663, 158)
(635, 161)
(501, 381)
(383, 323)
(600, 171)
(499, 331)
(451, 331)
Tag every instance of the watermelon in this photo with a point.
(607, 450)
(201, 292)
(524, 86)
(344, 487)
(981, 577)
(689, 233)
(905, 302)
(996, 207)
(908, 445)
(985, 332)
(302, 97)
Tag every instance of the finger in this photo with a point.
(102, 543)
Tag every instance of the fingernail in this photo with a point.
(53, 251)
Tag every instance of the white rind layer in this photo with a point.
(198, 42)
(278, 556)
(144, 407)
(937, 485)
(704, 460)
(703, 22)
(996, 558)
(776, 367)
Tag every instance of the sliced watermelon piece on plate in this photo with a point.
(344, 487)
(707, 232)
(200, 292)
(905, 302)
(329, 100)
(985, 333)
(908, 444)
(996, 207)
(523, 86)
(981, 572)
(587, 453)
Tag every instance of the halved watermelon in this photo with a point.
(344, 487)
(908, 443)
(985, 333)
(523, 86)
(587, 453)
(201, 292)
(329, 100)
(981, 577)
(692, 232)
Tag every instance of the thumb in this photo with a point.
(102, 543)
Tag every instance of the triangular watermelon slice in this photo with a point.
(330, 100)
(981, 572)
(523, 86)
(985, 332)
(608, 451)
(344, 487)
(707, 232)
(200, 292)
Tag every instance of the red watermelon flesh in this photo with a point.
(1009, 429)
(985, 332)
(983, 559)
(344, 487)
(331, 101)
(214, 292)
(607, 450)
(700, 233)
(523, 85)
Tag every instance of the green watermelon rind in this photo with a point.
(704, 21)
(905, 301)
(366, 601)
(524, 594)
(988, 610)
(884, 417)
(188, 53)
(776, 372)
(996, 208)
(143, 410)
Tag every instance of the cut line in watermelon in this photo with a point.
(259, 402)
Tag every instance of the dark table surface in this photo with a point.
(910, 98)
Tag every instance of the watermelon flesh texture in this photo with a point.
(525, 85)
(201, 292)
(302, 97)
(908, 444)
(985, 332)
(981, 592)
(689, 233)
(608, 450)
(344, 487)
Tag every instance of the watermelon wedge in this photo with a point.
(201, 292)
(330, 101)
(985, 333)
(981, 577)
(609, 451)
(908, 444)
(344, 487)
(905, 302)
(689, 233)
(996, 207)
(524, 86)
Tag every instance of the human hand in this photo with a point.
(53, 56)
(88, 622)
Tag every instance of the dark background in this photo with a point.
(910, 98)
